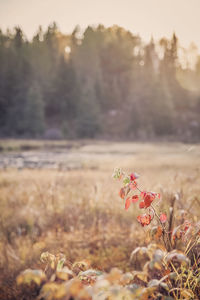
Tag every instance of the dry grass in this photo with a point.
(79, 212)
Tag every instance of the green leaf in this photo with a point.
(126, 180)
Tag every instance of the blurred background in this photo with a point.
(85, 87)
(67, 71)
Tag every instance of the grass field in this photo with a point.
(77, 211)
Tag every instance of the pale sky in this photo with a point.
(146, 17)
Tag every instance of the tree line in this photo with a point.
(102, 83)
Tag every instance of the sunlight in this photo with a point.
(67, 49)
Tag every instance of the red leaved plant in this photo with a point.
(132, 194)
(145, 199)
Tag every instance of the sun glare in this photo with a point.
(67, 50)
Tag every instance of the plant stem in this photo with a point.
(163, 227)
(164, 233)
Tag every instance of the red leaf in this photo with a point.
(163, 218)
(186, 225)
(127, 203)
(133, 176)
(148, 199)
(143, 194)
(122, 193)
(135, 198)
(144, 219)
(142, 204)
